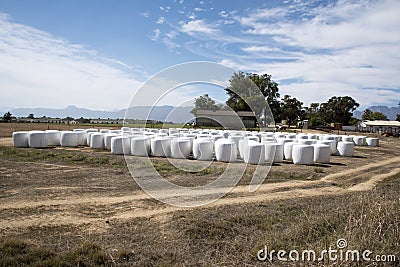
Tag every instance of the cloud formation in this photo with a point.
(38, 69)
(314, 49)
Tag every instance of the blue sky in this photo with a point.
(96, 54)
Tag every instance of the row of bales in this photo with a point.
(221, 145)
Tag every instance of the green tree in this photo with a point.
(291, 109)
(338, 109)
(249, 95)
(270, 91)
(398, 117)
(367, 115)
(378, 116)
(315, 120)
(205, 102)
(31, 116)
(7, 117)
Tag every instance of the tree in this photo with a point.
(270, 90)
(315, 120)
(291, 109)
(367, 115)
(250, 98)
(398, 117)
(7, 117)
(378, 116)
(206, 103)
(338, 109)
(31, 116)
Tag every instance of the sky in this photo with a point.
(98, 54)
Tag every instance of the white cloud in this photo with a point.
(198, 26)
(160, 20)
(156, 35)
(145, 14)
(38, 69)
(198, 9)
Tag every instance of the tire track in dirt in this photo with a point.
(263, 194)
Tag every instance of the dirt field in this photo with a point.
(71, 207)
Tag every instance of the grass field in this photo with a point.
(81, 207)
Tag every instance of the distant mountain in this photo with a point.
(161, 113)
(390, 112)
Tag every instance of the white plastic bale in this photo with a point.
(140, 146)
(322, 153)
(302, 136)
(125, 129)
(97, 141)
(53, 137)
(273, 152)
(116, 131)
(258, 135)
(107, 140)
(359, 140)
(104, 131)
(328, 137)
(312, 136)
(287, 150)
(37, 139)
(164, 131)
(307, 142)
(20, 139)
(345, 149)
(70, 139)
(172, 131)
(89, 137)
(203, 136)
(303, 154)
(214, 138)
(268, 139)
(203, 149)
(332, 144)
(283, 141)
(243, 144)
(226, 150)
(254, 153)
(121, 145)
(180, 148)
(160, 147)
(346, 138)
(370, 141)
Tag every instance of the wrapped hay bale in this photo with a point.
(203, 149)
(53, 137)
(226, 150)
(107, 140)
(359, 140)
(180, 148)
(322, 153)
(97, 141)
(303, 154)
(37, 139)
(140, 146)
(287, 150)
(70, 138)
(273, 152)
(20, 139)
(161, 147)
(370, 141)
(121, 145)
(345, 149)
(254, 153)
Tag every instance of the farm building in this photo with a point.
(227, 118)
(379, 126)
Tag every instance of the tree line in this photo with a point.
(338, 109)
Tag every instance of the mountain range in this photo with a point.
(390, 112)
(159, 113)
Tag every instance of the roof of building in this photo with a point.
(380, 123)
(223, 113)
